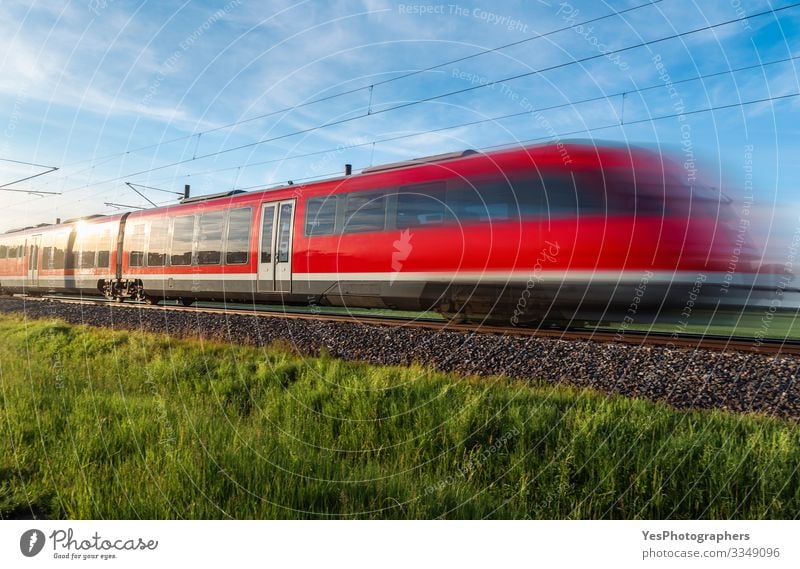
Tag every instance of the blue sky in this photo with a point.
(81, 82)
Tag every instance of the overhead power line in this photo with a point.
(25, 163)
(564, 134)
(133, 186)
(440, 96)
(559, 135)
(48, 169)
(34, 192)
(155, 189)
(552, 136)
(366, 87)
(122, 206)
(649, 119)
(497, 118)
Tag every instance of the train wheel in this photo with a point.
(187, 301)
(153, 300)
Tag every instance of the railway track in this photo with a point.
(768, 346)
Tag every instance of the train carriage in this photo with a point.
(71, 257)
(547, 232)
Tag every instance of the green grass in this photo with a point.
(101, 424)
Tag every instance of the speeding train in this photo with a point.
(553, 232)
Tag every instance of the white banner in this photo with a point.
(398, 544)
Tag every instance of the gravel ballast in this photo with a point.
(684, 378)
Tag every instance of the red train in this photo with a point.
(550, 232)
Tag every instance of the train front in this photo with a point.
(625, 235)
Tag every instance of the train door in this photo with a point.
(275, 249)
(33, 260)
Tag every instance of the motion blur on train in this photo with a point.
(552, 233)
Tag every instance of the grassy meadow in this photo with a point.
(103, 424)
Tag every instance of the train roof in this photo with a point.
(45, 227)
(523, 155)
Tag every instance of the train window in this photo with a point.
(3, 251)
(237, 241)
(136, 244)
(58, 252)
(182, 238)
(561, 195)
(627, 194)
(47, 257)
(493, 200)
(366, 211)
(284, 232)
(535, 196)
(46, 251)
(209, 250)
(421, 205)
(560, 198)
(103, 250)
(88, 248)
(12, 251)
(58, 258)
(88, 259)
(321, 215)
(159, 238)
